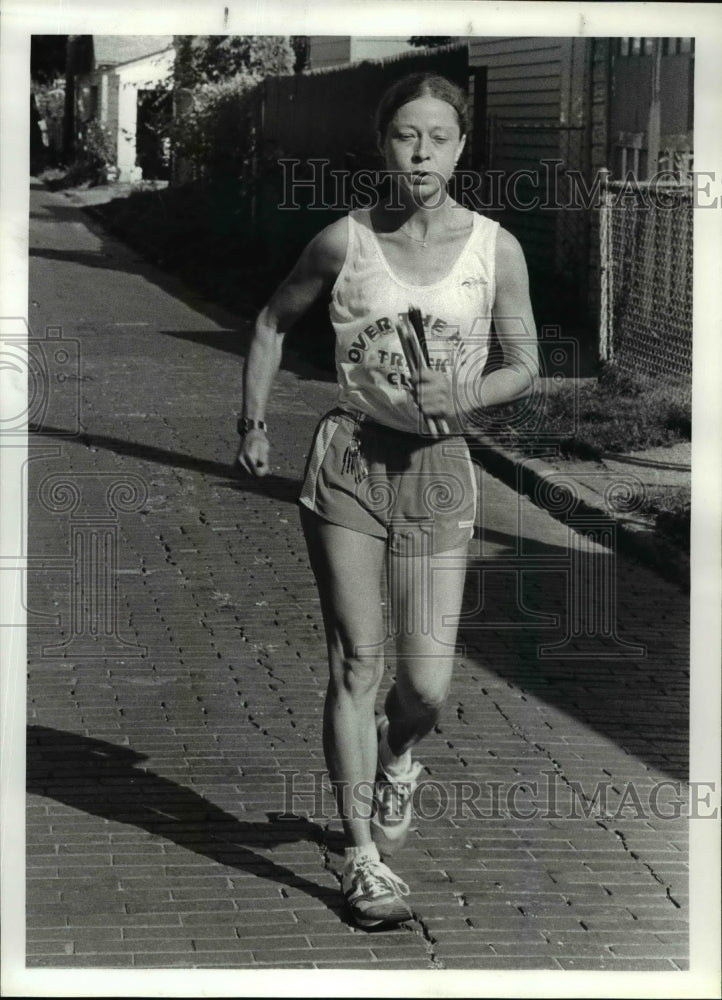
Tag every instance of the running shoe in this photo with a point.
(374, 894)
(393, 803)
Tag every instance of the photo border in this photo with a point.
(398, 17)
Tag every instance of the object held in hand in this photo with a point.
(417, 324)
(416, 353)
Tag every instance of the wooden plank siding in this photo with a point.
(531, 90)
(537, 101)
(506, 46)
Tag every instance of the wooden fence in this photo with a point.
(330, 113)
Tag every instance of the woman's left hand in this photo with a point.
(433, 393)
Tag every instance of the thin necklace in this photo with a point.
(424, 243)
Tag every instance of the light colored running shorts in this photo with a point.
(417, 493)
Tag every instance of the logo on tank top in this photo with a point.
(371, 347)
(474, 281)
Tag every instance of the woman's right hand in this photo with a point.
(253, 453)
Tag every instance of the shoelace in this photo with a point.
(375, 877)
(394, 793)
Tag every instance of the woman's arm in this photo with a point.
(516, 331)
(313, 275)
(515, 327)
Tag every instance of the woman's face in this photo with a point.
(421, 145)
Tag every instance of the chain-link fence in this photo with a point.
(646, 276)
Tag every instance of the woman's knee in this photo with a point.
(425, 697)
(356, 674)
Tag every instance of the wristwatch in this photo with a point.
(245, 424)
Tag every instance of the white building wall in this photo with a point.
(141, 74)
(103, 98)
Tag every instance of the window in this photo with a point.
(645, 46)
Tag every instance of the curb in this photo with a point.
(570, 499)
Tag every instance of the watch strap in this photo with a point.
(246, 424)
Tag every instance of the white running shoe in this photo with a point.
(374, 894)
(393, 803)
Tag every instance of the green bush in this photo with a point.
(94, 156)
(217, 77)
(213, 128)
(213, 58)
(670, 507)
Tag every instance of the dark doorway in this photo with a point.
(155, 109)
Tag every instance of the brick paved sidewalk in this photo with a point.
(162, 750)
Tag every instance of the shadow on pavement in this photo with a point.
(117, 255)
(235, 343)
(53, 213)
(619, 664)
(86, 258)
(109, 781)
(504, 544)
(582, 632)
(278, 487)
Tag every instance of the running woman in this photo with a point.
(389, 483)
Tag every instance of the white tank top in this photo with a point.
(367, 301)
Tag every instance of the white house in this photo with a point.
(127, 74)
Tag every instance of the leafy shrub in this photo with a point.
(671, 509)
(212, 58)
(213, 128)
(94, 157)
(217, 75)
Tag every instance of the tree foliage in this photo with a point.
(211, 128)
(430, 41)
(202, 59)
(47, 57)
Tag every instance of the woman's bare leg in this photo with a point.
(348, 566)
(426, 593)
